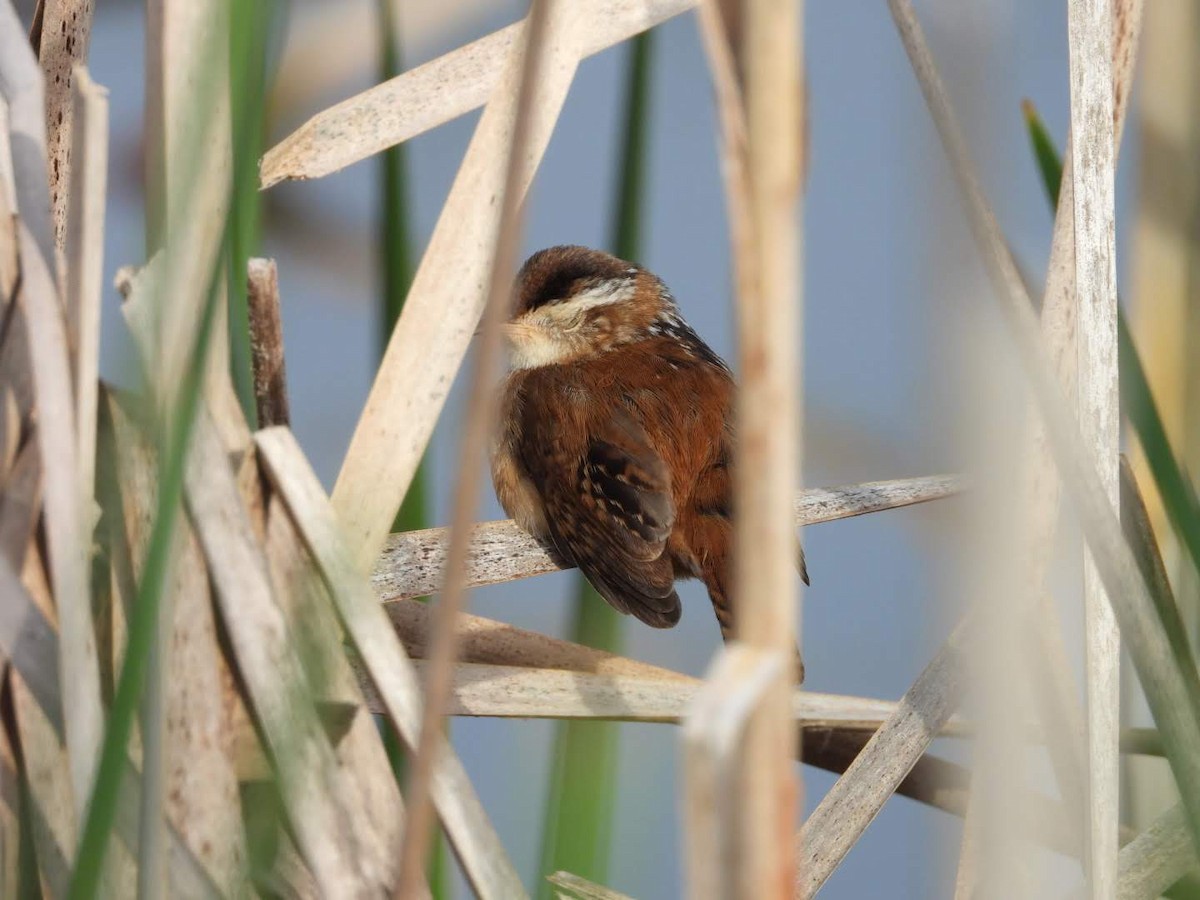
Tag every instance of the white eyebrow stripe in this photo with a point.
(614, 290)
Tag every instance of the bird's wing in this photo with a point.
(610, 510)
(716, 487)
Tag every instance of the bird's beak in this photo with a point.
(507, 330)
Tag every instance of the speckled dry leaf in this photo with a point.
(66, 34)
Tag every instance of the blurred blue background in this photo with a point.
(891, 279)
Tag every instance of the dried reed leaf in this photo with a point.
(572, 887)
(65, 35)
(441, 90)
(63, 511)
(83, 249)
(413, 563)
(16, 383)
(441, 311)
(853, 802)
(470, 832)
(1157, 858)
(20, 503)
(10, 431)
(189, 163)
(330, 834)
(48, 775)
(30, 643)
(199, 791)
(312, 622)
(762, 163)
(22, 91)
(10, 819)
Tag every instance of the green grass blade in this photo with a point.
(397, 261)
(1172, 482)
(1049, 161)
(249, 32)
(577, 828)
(626, 237)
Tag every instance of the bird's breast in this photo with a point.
(516, 492)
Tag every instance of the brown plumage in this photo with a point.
(616, 436)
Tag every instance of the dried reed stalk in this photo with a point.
(413, 563)
(22, 91)
(965, 877)
(1039, 477)
(441, 90)
(83, 249)
(1089, 26)
(522, 692)
(1139, 623)
(769, 414)
(549, 25)
(715, 736)
(53, 397)
(266, 344)
(488, 642)
(738, 829)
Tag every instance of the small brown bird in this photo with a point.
(616, 435)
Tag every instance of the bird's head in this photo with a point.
(571, 303)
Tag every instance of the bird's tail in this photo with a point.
(718, 578)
